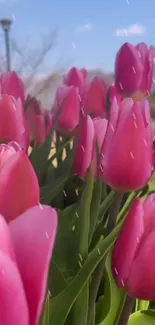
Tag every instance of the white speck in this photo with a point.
(121, 85)
(77, 215)
(148, 93)
(14, 106)
(98, 251)
(101, 167)
(41, 207)
(138, 241)
(46, 234)
(80, 264)
(80, 257)
(123, 284)
(145, 143)
(80, 98)
(115, 270)
(139, 54)
(73, 44)
(49, 292)
(2, 271)
(135, 124)
(82, 110)
(102, 155)
(127, 1)
(13, 16)
(153, 80)
(64, 193)
(131, 154)
(134, 116)
(133, 69)
(76, 191)
(82, 147)
(112, 127)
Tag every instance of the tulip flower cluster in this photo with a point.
(77, 198)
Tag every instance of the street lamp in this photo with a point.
(5, 23)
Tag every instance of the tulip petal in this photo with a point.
(19, 188)
(149, 213)
(5, 240)
(13, 303)
(127, 242)
(33, 235)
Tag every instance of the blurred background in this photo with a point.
(42, 39)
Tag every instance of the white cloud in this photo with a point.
(132, 30)
(83, 28)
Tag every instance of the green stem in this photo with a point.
(129, 303)
(96, 280)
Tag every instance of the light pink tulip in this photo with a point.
(12, 85)
(13, 125)
(134, 70)
(126, 159)
(67, 101)
(95, 98)
(91, 132)
(133, 253)
(19, 188)
(76, 78)
(26, 246)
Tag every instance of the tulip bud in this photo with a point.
(12, 85)
(69, 115)
(90, 132)
(13, 124)
(76, 78)
(19, 188)
(132, 264)
(95, 98)
(126, 154)
(134, 70)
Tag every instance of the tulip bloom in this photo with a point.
(126, 154)
(39, 123)
(113, 93)
(19, 188)
(13, 124)
(67, 101)
(26, 246)
(95, 98)
(90, 132)
(133, 253)
(12, 85)
(76, 78)
(134, 70)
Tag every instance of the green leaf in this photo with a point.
(48, 192)
(56, 281)
(142, 305)
(95, 204)
(142, 318)
(109, 307)
(105, 206)
(45, 319)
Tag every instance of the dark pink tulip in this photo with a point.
(113, 93)
(13, 125)
(12, 85)
(90, 132)
(76, 78)
(19, 188)
(126, 154)
(133, 253)
(67, 101)
(95, 98)
(26, 246)
(134, 70)
(39, 123)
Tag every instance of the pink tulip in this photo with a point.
(19, 188)
(12, 85)
(90, 132)
(95, 98)
(133, 253)
(126, 154)
(134, 70)
(26, 246)
(113, 93)
(13, 124)
(67, 101)
(76, 78)
(39, 123)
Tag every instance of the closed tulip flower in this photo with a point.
(126, 154)
(76, 78)
(26, 246)
(133, 253)
(19, 188)
(90, 132)
(95, 98)
(67, 101)
(134, 70)
(13, 125)
(12, 85)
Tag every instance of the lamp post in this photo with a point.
(5, 23)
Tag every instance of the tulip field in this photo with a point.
(77, 199)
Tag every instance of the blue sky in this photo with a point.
(89, 32)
